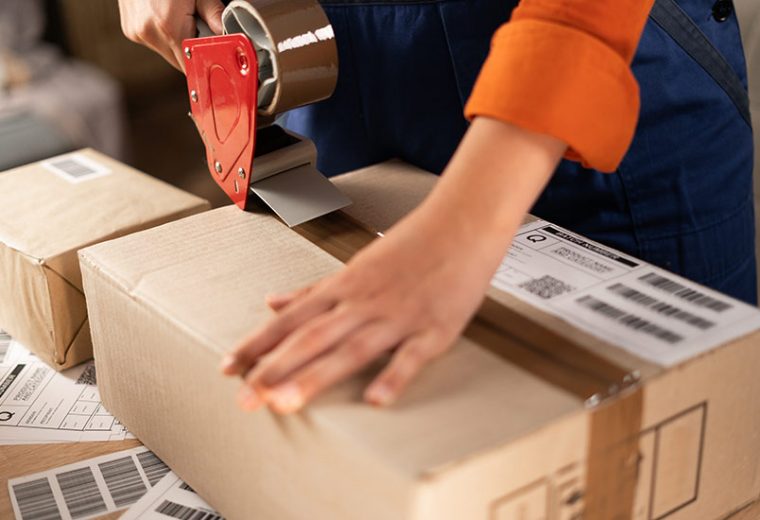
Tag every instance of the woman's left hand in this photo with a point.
(411, 292)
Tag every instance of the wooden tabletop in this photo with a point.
(19, 461)
(22, 460)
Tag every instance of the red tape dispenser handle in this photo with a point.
(222, 79)
(278, 55)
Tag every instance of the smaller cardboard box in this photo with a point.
(48, 211)
(528, 417)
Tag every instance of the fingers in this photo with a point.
(355, 353)
(304, 345)
(211, 12)
(277, 302)
(275, 330)
(160, 26)
(406, 363)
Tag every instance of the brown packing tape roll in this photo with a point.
(613, 450)
(295, 43)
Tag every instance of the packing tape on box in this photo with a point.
(295, 47)
(613, 452)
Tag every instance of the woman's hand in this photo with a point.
(162, 24)
(411, 292)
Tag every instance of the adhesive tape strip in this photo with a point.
(295, 47)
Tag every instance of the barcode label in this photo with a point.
(35, 500)
(75, 168)
(186, 487)
(631, 321)
(86, 489)
(552, 268)
(154, 468)
(123, 481)
(660, 307)
(175, 510)
(685, 293)
(80, 492)
(88, 377)
(546, 287)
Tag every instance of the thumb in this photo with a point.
(211, 12)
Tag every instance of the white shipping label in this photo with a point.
(75, 167)
(87, 489)
(650, 312)
(38, 404)
(171, 498)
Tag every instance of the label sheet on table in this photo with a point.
(650, 312)
(87, 489)
(171, 498)
(40, 405)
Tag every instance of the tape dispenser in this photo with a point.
(274, 55)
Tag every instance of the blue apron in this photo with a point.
(682, 197)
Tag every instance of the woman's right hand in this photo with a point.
(161, 25)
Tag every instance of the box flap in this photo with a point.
(48, 215)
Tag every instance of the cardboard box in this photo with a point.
(529, 417)
(50, 210)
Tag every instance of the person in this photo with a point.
(670, 183)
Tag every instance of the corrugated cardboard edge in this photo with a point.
(74, 345)
(91, 265)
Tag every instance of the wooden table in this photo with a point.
(18, 461)
(22, 460)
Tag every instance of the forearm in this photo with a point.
(492, 181)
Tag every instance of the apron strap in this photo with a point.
(674, 21)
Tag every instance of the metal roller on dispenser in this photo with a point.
(275, 55)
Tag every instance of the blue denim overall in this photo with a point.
(682, 197)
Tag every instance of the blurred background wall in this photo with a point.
(69, 78)
(749, 19)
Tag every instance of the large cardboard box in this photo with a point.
(48, 211)
(529, 417)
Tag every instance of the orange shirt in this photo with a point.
(562, 68)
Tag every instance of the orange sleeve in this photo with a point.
(562, 68)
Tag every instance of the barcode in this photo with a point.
(660, 307)
(123, 481)
(685, 293)
(629, 320)
(73, 168)
(154, 468)
(186, 487)
(175, 510)
(81, 493)
(88, 377)
(546, 287)
(36, 501)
